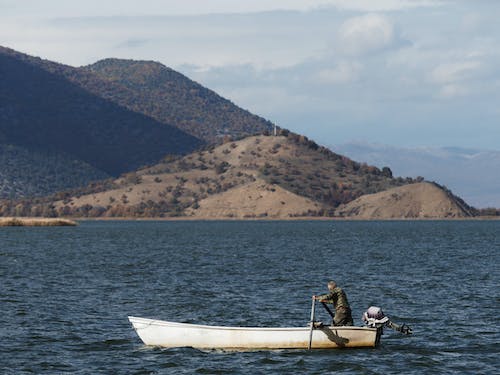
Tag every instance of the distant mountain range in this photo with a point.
(113, 116)
(470, 173)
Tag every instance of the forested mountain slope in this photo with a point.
(25, 173)
(170, 97)
(42, 110)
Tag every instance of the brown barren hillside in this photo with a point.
(257, 199)
(421, 200)
(257, 177)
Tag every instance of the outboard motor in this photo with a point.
(374, 317)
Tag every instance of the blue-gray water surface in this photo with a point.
(66, 292)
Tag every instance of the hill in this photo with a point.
(158, 92)
(439, 164)
(62, 127)
(256, 177)
(44, 111)
(170, 97)
(420, 200)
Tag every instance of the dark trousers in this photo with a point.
(343, 317)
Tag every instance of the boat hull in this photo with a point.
(171, 335)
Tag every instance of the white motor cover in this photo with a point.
(374, 317)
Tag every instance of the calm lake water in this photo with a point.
(65, 294)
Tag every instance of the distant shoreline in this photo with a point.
(299, 218)
(50, 222)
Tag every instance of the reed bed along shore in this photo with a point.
(35, 222)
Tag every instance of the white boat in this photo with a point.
(172, 335)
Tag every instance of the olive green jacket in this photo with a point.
(337, 297)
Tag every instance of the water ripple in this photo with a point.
(66, 294)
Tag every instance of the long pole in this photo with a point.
(312, 323)
(330, 312)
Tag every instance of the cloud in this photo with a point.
(277, 39)
(367, 34)
(455, 77)
(455, 72)
(452, 91)
(384, 5)
(283, 100)
(342, 72)
(64, 8)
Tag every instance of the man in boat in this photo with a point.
(338, 298)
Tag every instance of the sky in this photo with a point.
(405, 73)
